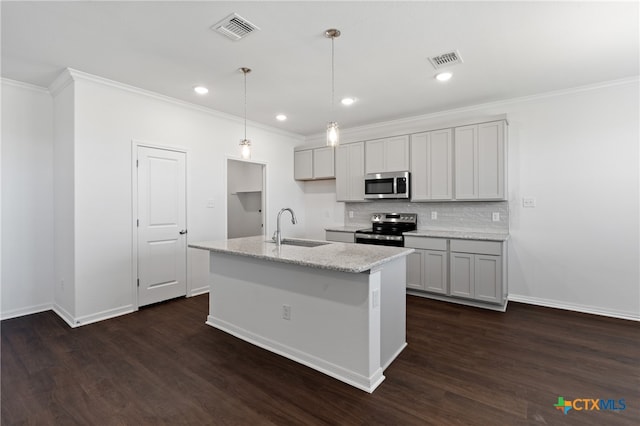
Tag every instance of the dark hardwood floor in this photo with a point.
(463, 366)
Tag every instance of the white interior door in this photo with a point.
(162, 239)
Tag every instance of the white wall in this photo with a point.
(108, 118)
(576, 152)
(27, 199)
(96, 123)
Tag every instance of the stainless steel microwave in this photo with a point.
(392, 185)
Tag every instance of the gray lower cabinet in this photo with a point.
(427, 266)
(340, 236)
(458, 269)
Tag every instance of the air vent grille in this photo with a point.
(234, 27)
(446, 59)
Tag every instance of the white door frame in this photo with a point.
(135, 144)
(264, 191)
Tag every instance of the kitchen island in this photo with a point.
(338, 308)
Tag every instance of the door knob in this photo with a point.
(184, 231)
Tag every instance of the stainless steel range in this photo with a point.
(387, 228)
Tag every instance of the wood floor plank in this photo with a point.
(463, 366)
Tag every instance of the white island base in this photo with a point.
(348, 325)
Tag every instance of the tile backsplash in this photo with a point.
(455, 216)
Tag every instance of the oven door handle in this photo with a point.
(379, 237)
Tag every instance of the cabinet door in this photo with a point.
(350, 172)
(419, 166)
(415, 270)
(343, 176)
(356, 171)
(431, 166)
(488, 278)
(466, 166)
(491, 164)
(396, 154)
(374, 156)
(303, 164)
(435, 271)
(323, 163)
(462, 274)
(440, 165)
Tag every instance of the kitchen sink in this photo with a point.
(303, 243)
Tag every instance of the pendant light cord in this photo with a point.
(245, 104)
(333, 84)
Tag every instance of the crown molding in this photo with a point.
(442, 119)
(69, 75)
(22, 85)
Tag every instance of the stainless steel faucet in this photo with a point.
(277, 236)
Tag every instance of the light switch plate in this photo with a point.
(434, 215)
(528, 202)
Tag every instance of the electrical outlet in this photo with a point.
(286, 312)
(495, 216)
(350, 214)
(434, 215)
(528, 202)
(210, 204)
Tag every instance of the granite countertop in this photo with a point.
(462, 235)
(342, 257)
(348, 228)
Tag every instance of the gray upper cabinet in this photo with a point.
(316, 163)
(480, 161)
(303, 164)
(387, 155)
(432, 166)
(350, 172)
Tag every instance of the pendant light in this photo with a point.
(333, 132)
(245, 144)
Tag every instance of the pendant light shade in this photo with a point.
(333, 131)
(245, 144)
(333, 134)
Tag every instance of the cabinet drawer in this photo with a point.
(425, 243)
(341, 237)
(477, 247)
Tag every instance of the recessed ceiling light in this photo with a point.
(201, 90)
(281, 117)
(347, 101)
(444, 76)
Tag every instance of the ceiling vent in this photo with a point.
(446, 59)
(234, 27)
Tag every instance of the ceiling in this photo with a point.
(509, 49)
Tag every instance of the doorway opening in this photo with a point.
(245, 198)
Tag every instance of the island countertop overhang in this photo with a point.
(343, 257)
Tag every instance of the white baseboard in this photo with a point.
(367, 384)
(28, 310)
(198, 291)
(104, 315)
(89, 319)
(490, 306)
(65, 315)
(574, 307)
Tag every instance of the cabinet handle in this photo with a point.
(184, 231)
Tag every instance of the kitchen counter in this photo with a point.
(338, 308)
(348, 228)
(353, 258)
(460, 235)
